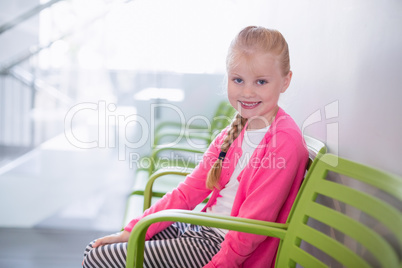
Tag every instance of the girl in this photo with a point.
(253, 168)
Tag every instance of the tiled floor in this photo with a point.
(45, 248)
(56, 199)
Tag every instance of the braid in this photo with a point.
(234, 131)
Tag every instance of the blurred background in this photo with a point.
(82, 83)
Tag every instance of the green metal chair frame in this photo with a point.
(314, 147)
(297, 229)
(159, 167)
(222, 117)
(167, 179)
(173, 124)
(156, 161)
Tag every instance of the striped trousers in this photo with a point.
(180, 245)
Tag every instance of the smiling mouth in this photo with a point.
(249, 105)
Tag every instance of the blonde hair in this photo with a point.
(249, 40)
(259, 39)
(234, 131)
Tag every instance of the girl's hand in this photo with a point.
(110, 239)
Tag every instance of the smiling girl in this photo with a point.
(237, 169)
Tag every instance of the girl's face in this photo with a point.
(254, 85)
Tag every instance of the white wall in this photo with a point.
(346, 57)
(349, 52)
(343, 53)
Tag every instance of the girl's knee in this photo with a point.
(87, 252)
(110, 255)
(90, 258)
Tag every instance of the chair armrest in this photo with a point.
(135, 250)
(159, 149)
(159, 173)
(200, 134)
(177, 124)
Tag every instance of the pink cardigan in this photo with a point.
(267, 189)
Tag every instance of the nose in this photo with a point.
(248, 91)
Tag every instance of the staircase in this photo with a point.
(35, 93)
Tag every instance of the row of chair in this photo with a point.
(222, 117)
(345, 215)
(168, 169)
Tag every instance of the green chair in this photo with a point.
(169, 125)
(185, 157)
(159, 183)
(170, 156)
(314, 147)
(162, 154)
(148, 190)
(145, 191)
(346, 215)
(221, 118)
(171, 169)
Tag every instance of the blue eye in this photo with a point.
(261, 82)
(238, 80)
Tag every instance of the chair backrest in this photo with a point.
(348, 213)
(314, 147)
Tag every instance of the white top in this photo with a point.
(224, 203)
